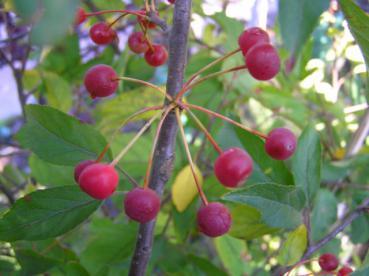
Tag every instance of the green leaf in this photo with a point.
(358, 21)
(64, 59)
(59, 138)
(46, 213)
(206, 266)
(294, 246)
(274, 170)
(247, 223)
(324, 214)
(232, 28)
(58, 91)
(33, 263)
(279, 205)
(306, 163)
(110, 243)
(230, 251)
(110, 114)
(361, 272)
(49, 174)
(297, 20)
(56, 18)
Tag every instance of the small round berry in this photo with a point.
(142, 205)
(137, 43)
(263, 61)
(251, 37)
(99, 180)
(172, 1)
(102, 34)
(78, 169)
(80, 16)
(101, 81)
(344, 271)
(156, 56)
(280, 143)
(232, 167)
(147, 24)
(214, 219)
(328, 262)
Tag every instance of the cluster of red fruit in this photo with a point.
(100, 180)
(329, 262)
(102, 33)
(261, 57)
(232, 167)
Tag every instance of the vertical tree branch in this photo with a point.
(164, 152)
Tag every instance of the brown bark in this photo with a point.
(164, 152)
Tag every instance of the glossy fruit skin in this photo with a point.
(251, 37)
(99, 180)
(263, 62)
(100, 81)
(146, 23)
(344, 271)
(137, 43)
(157, 57)
(233, 167)
(142, 205)
(102, 34)
(280, 144)
(214, 219)
(328, 262)
(80, 16)
(78, 169)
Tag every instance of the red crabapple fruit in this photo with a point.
(142, 204)
(101, 33)
(156, 56)
(99, 180)
(251, 37)
(101, 81)
(263, 62)
(214, 219)
(280, 143)
(328, 262)
(232, 167)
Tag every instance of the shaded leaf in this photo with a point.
(46, 213)
(110, 243)
(324, 214)
(294, 246)
(297, 20)
(33, 263)
(206, 266)
(49, 174)
(279, 205)
(59, 138)
(230, 251)
(306, 163)
(359, 23)
(247, 223)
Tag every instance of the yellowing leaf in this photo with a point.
(294, 246)
(8, 5)
(184, 188)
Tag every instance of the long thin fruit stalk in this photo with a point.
(148, 84)
(206, 132)
(149, 164)
(188, 153)
(126, 121)
(133, 141)
(147, 38)
(211, 64)
(213, 75)
(115, 11)
(215, 114)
